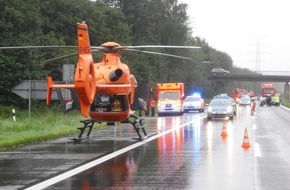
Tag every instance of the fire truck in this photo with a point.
(268, 90)
(170, 98)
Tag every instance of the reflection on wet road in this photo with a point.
(191, 157)
(185, 152)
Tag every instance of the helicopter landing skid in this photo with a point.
(87, 123)
(138, 124)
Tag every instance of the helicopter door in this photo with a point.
(110, 103)
(119, 103)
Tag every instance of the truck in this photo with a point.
(170, 97)
(268, 90)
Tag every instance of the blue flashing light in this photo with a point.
(196, 94)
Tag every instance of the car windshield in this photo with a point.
(222, 97)
(268, 90)
(169, 95)
(219, 102)
(192, 98)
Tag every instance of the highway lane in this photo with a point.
(192, 156)
(25, 166)
(196, 157)
(272, 133)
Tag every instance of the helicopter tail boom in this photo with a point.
(51, 86)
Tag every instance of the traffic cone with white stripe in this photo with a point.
(224, 131)
(246, 142)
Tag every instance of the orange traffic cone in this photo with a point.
(246, 142)
(224, 131)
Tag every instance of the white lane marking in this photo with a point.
(285, 107)
(257, 150)
(254, 126)
(96, 162)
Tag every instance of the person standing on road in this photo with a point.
(276, 100)
(268, 100)
(253, 106)
(152, 104)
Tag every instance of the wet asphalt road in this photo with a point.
(191, 154)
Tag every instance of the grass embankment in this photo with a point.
(286, 103)
(44, 124)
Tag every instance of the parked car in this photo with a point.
(193, 103)
(220, 72)
(221, 108)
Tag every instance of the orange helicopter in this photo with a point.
(106, 89)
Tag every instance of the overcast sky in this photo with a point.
(255, 33)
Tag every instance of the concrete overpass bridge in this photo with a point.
(256, 78)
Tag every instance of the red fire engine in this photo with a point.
(268, 90)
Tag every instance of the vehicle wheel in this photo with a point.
(262, 103)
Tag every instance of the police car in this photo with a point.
(193, 103)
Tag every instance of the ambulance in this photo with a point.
(170, 97)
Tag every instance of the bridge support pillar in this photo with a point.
(286, 91)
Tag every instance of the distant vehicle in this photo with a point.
(245, 100)
(221, 108)
(238, 93)
(268, 90)
(193, 103)
(220, 72)
(170, 98)
(222, 96)
(225, 96)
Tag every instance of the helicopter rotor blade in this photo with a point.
(36, 47)
(65, 56)
(100, 48)
(155, 46)
(158, 53)
(60, 57)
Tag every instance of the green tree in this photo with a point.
(51, 22)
